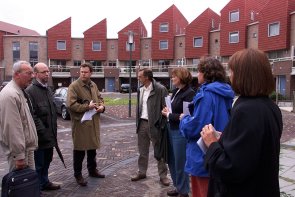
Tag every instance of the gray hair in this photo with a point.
(17, 66)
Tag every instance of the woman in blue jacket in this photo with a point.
(211, 104)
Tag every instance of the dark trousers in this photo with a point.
(78, 160)
(43, 158)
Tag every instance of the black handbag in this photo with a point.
(161, 149)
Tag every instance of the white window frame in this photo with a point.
(275, 33)
(202, 42)
(164, 27)
(58, 42)
(232, 16)
(163, 42)
(230, 36)
(98, 44)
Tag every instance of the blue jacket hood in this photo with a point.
(222, 89)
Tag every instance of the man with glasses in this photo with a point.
(18, 136)
(45, 119)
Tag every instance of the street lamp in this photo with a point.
(130, 42)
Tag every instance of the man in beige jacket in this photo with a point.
(18, 136)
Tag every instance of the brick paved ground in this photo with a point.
(117, 158)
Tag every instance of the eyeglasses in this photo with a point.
(27, 73)
(43, 72)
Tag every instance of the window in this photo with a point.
(234, 37)
(198, 42)
(95, 63)
(112, 63)
(273, 29)
(252, 16)
(77, 62)
(234, 16)
(164, 27)
(212, 23)
(61, 45)
(163, 44)
(96, 46)
(196, 61)
(16, 51)
(145, 63)
(128, 46)
(33, 50)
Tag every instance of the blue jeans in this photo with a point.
(176, 163)
(43, 158)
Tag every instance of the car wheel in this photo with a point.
(64, 113)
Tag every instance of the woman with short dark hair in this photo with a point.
(211, 104)
(245, 160)
(181, 79)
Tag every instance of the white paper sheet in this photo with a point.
(168, 103)
(88, 115)
(185, 108)
(202, 145)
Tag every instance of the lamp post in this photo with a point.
(130, 41)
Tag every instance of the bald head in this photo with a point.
(41, 72)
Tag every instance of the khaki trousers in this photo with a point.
(144, 140)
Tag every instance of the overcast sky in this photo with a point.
(40, 15)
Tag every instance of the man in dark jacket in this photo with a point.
(45, 119)
(150, 102)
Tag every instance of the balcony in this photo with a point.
(161, 71)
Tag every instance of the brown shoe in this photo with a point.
(165, 181)
(96, 174)
(138, 176)
(172, 192)
(51, 186)
(81, 181)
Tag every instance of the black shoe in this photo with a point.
(81, 181)
(51, 186)
(172, 192)
(96, 174)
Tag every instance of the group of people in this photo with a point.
(227, 142)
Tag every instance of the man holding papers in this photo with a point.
(83, 95)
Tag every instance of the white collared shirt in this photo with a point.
(145, 92)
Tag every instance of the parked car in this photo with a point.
(125, 88)
(60, 98)
(4, 83)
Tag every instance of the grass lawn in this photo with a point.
(118, 101)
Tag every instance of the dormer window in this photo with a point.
(234, 16)
(164, 27)
(61, 45)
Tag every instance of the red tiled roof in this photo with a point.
(14, 29)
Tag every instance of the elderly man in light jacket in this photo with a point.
(18, 136)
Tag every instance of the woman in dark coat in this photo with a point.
(181, 79)
(245, 160)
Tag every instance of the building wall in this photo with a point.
(139, 30)
(24, 50)
(200, 27)
(292, 30)
(96, 33)
(146, 48)
(175, 27)
(112, 49)
(61, 31)
(77, 50)
(214, 43)
(252, 36)
(179, 47)
(268, 16)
